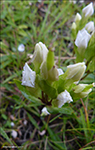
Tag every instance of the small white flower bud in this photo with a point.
(63, 98)
(77, 17)
(90, 26)
(21, 48)
(73, 26)
(76, 71)
(82, 39)
(88, 10)
(40, 54)
(29, 76)
(44, 112)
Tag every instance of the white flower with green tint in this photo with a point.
(44, 112)
(73, 26)
(28, 78)
(63, 98)
(89, 26)
(83, 89)
(88, 10)
(82, 39)
(75, 71)
(39, 55)
(77, 17)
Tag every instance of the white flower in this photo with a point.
(90, 26)
(40, 53)
(21, 48)
(73, 26)
(45, 112)
(83, 89)
(29, 76)
(14, 134)
(82, 39)
(63, 98)
(88, 10)
(60, 71)
(77, 17)
(75, 71)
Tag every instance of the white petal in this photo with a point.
(82, 39)
(44, 111)
(88, 10)
(60, 71)
(63, 98)
(21, 48)
(29, 76)
(90, 26)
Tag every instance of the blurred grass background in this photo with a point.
(29, 22)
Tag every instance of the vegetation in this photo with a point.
(29, 22)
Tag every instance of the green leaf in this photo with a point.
(33, 121)
(45, 87)
(91, 65)
(26, 93)
(3, 133)
(55, 138)
(62, 110)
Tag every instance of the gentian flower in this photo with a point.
(63, 98)
(45, 112)
(90, 26)
(29, 76)
(76, 71)
(88, 10)
(82, 39)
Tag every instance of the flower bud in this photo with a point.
(76, 71)
(53, 74)
(44, 112)
(77, 18)
(90, 26)
(73, 27)
(88, 10)
(83, 89)
(82, 39)
(40, 55)
(63, 98)
(29, 76)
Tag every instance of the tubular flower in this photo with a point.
(77, 17)
(83, 89)
(76, 71)
(89, 26)
(88, 10)
(63, 98)
(82, 39)
(40, 55)
(29, 76)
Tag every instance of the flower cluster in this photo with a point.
(50, 84)
(52, 81)
(83, 33)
